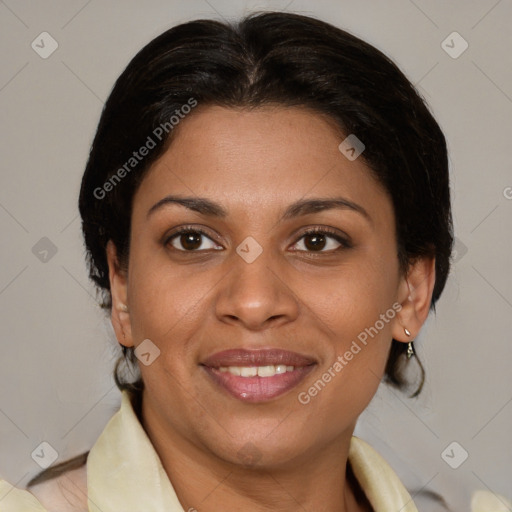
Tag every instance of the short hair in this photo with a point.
(271, 58)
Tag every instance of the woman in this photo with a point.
(266, 209)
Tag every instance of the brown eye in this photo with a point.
(191, 240)
(315, 242)
(322, 241)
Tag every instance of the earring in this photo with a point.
(410, 347)
(124, 308)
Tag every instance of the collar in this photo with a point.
(124, 472)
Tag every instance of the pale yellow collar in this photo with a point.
(380, 483)
(124, 471)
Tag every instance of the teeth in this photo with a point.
(266, 371)
(248, 371)
(260, 371)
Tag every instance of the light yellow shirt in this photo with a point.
(124, 474)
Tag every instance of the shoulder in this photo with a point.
(64, 493)
(13, 499)
(483, 501)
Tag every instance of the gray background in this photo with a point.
(57, 350)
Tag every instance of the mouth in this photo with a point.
(257, 375)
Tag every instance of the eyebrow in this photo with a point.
(207, 207)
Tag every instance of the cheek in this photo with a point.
(355, 308)
(352, 298)
(164, 299)
(359, 343)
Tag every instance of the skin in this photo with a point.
(193, 304)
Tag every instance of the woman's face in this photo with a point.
(247, 279)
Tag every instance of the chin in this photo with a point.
(258, 453)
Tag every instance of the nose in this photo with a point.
(257, 295)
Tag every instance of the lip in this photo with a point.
(261, 357)
(257, 389)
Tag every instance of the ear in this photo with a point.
(120, 315)
(415, 296)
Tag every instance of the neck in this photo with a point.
(321, 480)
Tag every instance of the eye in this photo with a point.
(318, 239)
(190, 240)
(194, 239)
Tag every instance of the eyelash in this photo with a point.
(344, 242)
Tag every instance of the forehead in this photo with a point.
(265, 157)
